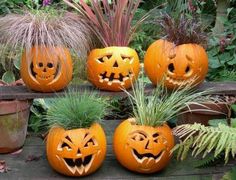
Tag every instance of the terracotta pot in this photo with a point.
(200, 114)
(14, 117)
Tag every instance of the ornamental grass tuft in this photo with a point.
(76, 110)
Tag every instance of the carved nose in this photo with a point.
(78, 151)
(149, 145)
(115, 64)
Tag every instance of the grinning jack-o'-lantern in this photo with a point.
(77, 152)
(143, 149)
(46, 69)
(177, 65)
(113, 68)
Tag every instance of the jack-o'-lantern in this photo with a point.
(143, 149)
(113, 68)
(177, 65)
(77, 152)
(46, 69)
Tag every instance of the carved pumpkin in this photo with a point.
(113, 68)
(143, 149)
(46, 69)
(77, 152)
(186, 63)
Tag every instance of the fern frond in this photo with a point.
(207, 139)
(210, 160)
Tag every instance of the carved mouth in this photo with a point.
(45, 77)
(80, 165)
(112, 79)
(147, 157)
(179, 82)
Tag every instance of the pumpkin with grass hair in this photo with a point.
(144, 142)
(180, 57)
(46, 37)
(76, 143)
(115, 66)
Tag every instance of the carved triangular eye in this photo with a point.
(64, 144)
(101, 60)
(89, 141)
(126, 57)
(109, 56)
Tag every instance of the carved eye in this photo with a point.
(155, 137)
(65, 144)
(124, 57)
(90, 141)
(171, 67)
(139, 137)
(101, 60)
(187, 69)
(49, 65)
(106, 57)
(40, 64)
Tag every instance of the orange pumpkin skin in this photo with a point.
(113, 68)
(77, 152)
(46, 69)
(143, 149)
(177, 65)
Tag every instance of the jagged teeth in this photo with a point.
(179, 82)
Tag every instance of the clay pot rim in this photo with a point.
(215, 108)
(14, 106)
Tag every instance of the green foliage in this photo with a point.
(76, 110)
(209, 160)
(160, 105)
(207, 139)
(9, 66)
(38, 111)
(230, 175)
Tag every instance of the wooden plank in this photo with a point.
(111, 169)
(22, 92)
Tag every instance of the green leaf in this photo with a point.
(17, 63)
(8, 77)
(225, 57)
(216, 122)
(233, 122)
(214, 62)
(233, 107)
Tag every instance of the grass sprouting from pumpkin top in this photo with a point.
(44, 28)
(76, 110)
(182, 30)
(111, 22)
(162, 105)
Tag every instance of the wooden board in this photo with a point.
(22, 92)
(111, 169)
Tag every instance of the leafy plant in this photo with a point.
(110, 22)
(207, 139)
(9, 66)
(38, 110)
(183, 30)
(161, 105)
(76, 110)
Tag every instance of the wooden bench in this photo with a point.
(22, 93)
